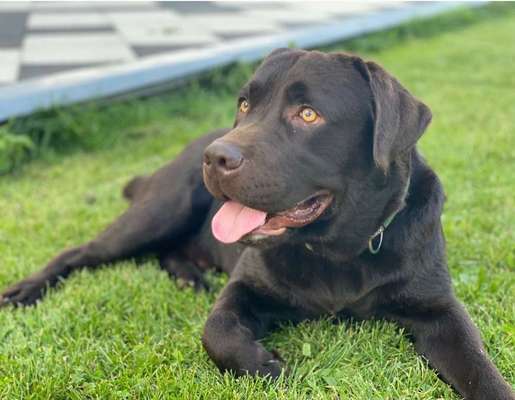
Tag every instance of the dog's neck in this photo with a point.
(376, 240)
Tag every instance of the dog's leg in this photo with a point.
(161, 219)
(139, 229)
(135, 188)
(239, 319)
(167, 207)
(185, 272)
(452, 345)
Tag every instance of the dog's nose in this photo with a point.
(223, 156)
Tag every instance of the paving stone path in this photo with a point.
(44, 38)
(56, 53)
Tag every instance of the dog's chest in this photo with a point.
(318, 286)
(330, 292)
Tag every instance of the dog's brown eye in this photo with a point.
(244, 106)
(308, 115)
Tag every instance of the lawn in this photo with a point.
(126, 330)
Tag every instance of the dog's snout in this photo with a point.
(223, 156)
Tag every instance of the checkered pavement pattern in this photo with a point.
(39, 39)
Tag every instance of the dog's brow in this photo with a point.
(254, 89)
(244, 92)
(297, 92)
(251, 91)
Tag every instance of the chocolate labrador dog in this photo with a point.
(317, 203)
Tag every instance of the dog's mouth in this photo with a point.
(235, 221)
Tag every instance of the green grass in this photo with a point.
(126, 331)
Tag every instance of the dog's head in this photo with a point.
(316, 137)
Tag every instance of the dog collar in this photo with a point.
(380, 232)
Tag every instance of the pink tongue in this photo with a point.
(234, 220)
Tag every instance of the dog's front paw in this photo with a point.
(185, 274)
(272, 365)
(263, 363)
(23, 293)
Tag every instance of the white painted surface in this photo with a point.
(14, 6)
(8, 65)
(66, 20)
(79, 48)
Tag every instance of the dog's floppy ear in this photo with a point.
(399, 118)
